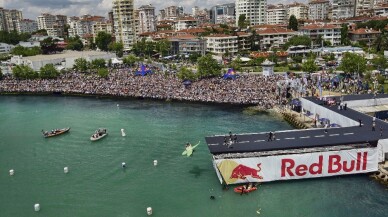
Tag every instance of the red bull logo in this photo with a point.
(242, 171)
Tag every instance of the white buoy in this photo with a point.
(149, 210)
(36, 207)
(11, 172)
(65, 169)
(123, 165)
(118, 105)
(155, 162)
(122, 132)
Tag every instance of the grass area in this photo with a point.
(281, 69)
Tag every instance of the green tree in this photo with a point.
(1, 74)
(74, 43)
(24, 72)
(98, 63)
(149, 48)
(236, 64)
(186, 74)
(380, 79)
(19, 50)
(139, 47)
(48, 71)
(208, 67)
(381, 42)
(298, 40)
(380, 62)
(193, 57)
(103, 40)
(130, 60)
(81, 65)
(49, 45)
(117, 47)
(103, 72)
(353, 63)
(163, 46)
(345, 35)
(309, 66)
(293, 23)
(242, 21)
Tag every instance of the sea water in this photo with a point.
(97, 185)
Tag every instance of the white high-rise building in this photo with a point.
(276, 14)
(319, 10)
(299, 10)
(26, 26)
(362, 5)
(147, 19)
(46, 21)
(254, 10)
(343, 9)
(124, 26)
(9, 19)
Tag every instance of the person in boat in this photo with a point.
(250, 185)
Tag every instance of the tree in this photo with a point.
(48, 71)
(149, 47)
(293, 23)
(345, 35)
(139, 47)
(310, 66)
(298, 40)
(193, 57)
(353, 63)
(117, 47)
(103, 40)
(208, 67)
(130, 60)
(49, 46)
(186, 74)
(1, 74)
(381, 42)
(163, 46)
(103, 72)
(242, 21)
(23, 51)
(380, 62)
(74, 43)
(24, 72)
(236, 64)
(81, 65)
(98, 63)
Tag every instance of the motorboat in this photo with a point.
(99, 134)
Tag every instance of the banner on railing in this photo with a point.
(298, 166)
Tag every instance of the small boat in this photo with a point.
(245, 189)
(99, 134)
(55, 132)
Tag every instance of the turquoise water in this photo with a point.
(178, 186)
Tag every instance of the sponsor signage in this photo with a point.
(298, 166)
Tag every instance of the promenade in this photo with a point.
(246, 90)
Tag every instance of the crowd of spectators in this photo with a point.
(247, 89)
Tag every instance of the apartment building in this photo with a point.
(123, 18)
(364, 35)
(342, 9)
(319, 9)
(222, 13)
(26, 26)
(299, 10)
(84, 25)
(273, 38)
(254, 10)
(220, 44)
(185, 23)
(187, 44)
(363, 5)
(277, 14)
(147, 19)
(328, 32)
(9, 19)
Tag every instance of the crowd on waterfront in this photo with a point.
(247, 89)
